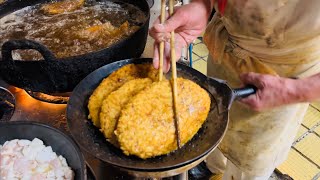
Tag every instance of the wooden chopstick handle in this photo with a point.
(161, 46)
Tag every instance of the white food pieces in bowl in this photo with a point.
(24, 159)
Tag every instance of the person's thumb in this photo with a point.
(173, 22)
(170, 24)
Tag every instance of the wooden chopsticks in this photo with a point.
(161, 47)
(174, 78)
(173, 66)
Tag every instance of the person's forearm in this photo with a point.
(309, 88)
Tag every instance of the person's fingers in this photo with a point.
(156, 56)
(178, 19)
(159, 28)
(178, 49)
(157, 21)
(174, 22)
(253, 102)
(167, 57)
(248, 77)
(250, 100)
(252, 79)
(188, 37)
(157, 32)
(165, 35)
(167, 65)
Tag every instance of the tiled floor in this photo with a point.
(303, 162)
(199, 56)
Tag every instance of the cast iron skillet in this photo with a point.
(60, 143)
(52, 75)
(207, 138)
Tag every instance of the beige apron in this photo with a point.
(278, 37)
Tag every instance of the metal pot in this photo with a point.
(51, 75)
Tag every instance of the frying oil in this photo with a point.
(62, 33)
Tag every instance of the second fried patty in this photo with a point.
(113, 104)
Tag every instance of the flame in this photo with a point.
(31, 109)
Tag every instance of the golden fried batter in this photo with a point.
(146, 125)
(113, 82)
(62, 6)
(113, 104)
(106, 31)
(95, 31)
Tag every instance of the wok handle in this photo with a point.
(11, 45)
(244, 92)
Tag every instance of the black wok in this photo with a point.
(52, 75)
(60, 143)
(207, 138)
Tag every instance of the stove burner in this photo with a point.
(7, 104)
(56, 98)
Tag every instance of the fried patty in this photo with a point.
(146, 125)
(113, 104)
(113, 82)
(61, 6)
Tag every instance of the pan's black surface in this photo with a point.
(52, 75)
(60, 143)
(92, 140)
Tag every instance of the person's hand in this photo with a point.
(272, 91)
(188, 22)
